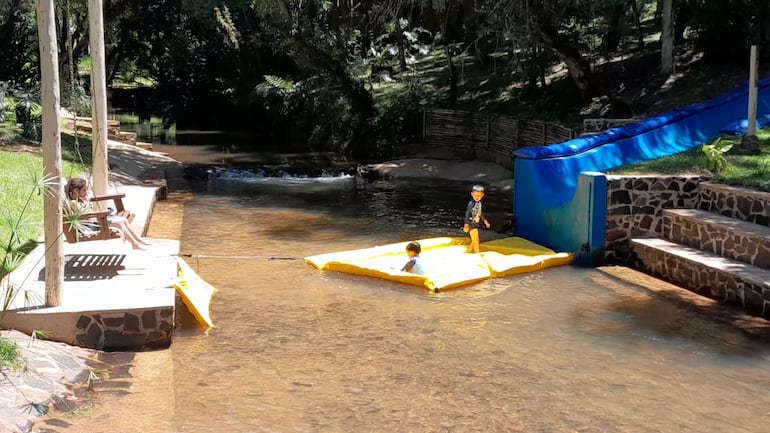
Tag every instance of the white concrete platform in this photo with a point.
(112, 297)
(101, 275)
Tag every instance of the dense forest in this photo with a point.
(353, 76)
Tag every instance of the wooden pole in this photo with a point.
(51, 142)
(752, 127)
(424, 125)
(98, 97)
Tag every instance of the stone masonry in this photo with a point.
(126, 330)
(713, 239)
(749, 294)
(635, 208)
(723, 236)
(746, 205)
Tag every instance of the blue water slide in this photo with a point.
(546, 205)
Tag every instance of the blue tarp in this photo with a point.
(546, 177)
(741, 126)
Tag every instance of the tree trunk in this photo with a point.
(51, 141)
(361, 102)
(68, 42)
(453, 90)
(638, 22)
(100, 165)
(8, 40)
(667, 39)
(401, 45)
(542, 65)
(578, 67)
(615, 29)
(680, 21)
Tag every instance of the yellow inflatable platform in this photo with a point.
(446, 261)
(195, 292)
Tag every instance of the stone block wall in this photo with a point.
(635, 208)
(752, 296)
(746, 205)
(147, 329)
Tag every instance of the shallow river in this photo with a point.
(296, 350)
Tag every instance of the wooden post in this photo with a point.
(424, 125)
(51, 142)
(750, 141)
(98, 97)
(517, 145)
(752, 127)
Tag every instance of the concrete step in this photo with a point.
(721, 235)
(716, 277)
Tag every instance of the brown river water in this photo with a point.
(566, 349)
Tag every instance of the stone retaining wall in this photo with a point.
(146, 329)
(746, 205)
(635, 208)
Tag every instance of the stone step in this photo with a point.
(721, 235)
(126, 137)
(716, 277)
(742, 203)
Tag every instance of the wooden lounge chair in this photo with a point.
(93, 226)
(120, 210)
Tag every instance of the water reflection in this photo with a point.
(564, 350)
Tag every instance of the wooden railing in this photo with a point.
(591, 126)
(488, 136)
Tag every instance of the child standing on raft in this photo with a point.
(474, 217)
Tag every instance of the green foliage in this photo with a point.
(399, 120)
(76, 100)
(28, 111)
(28, 192)
(9, 354)
(717, 35)
(22, 188)
(5, 104)
(277, 84)
(225, 21)
(715, 154)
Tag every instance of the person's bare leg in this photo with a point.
(123, 226)
(474, 240)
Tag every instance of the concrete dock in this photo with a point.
(113, 297)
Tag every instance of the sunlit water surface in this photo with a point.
(296, 350)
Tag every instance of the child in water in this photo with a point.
(474, 217)
(414, 265)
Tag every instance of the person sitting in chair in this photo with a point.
(77, 195)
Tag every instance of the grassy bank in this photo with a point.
(21, 206)
(752, 171)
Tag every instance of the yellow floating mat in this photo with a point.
(446, 261)
(195, 292)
